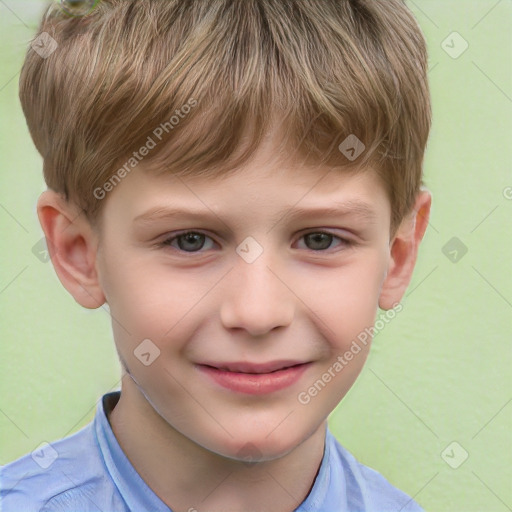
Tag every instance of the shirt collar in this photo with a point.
(328, 492)
(133, 489)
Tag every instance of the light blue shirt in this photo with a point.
(88, 471)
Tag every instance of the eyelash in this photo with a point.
(348, 243)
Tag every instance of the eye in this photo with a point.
(319, 241)
(190, 241)
(194, 241)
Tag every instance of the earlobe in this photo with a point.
(404, 251)
(72, 244)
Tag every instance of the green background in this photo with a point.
(439, 372)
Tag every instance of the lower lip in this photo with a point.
(255, 383)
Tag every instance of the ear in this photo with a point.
(72, 244)
(404, 250)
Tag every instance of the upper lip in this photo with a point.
(246, 367)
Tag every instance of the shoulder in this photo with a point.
(68, 474)
(366, 488)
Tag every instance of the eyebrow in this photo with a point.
(356, 209)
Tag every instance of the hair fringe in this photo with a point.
(311, 72)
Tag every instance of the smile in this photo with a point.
(254, 379)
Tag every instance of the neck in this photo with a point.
(188, 477)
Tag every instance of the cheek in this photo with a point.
(346, 303)
(150, 298)
(346, 307)
(157, 304)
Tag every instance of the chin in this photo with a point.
(253, 445)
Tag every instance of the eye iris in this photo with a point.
(323, 239)
(196, 239)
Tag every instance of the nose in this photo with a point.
(257, 298)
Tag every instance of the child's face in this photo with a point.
(222, 303)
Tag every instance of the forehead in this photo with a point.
(273, 182)
(263, 191)
(276, 176)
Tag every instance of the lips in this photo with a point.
(254, 368)
(254, 378)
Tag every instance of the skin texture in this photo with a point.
(303, 298)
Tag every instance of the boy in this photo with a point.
(256, 131)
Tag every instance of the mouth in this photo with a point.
(254, 378)
(254, 368)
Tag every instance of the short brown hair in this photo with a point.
(326, 69)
